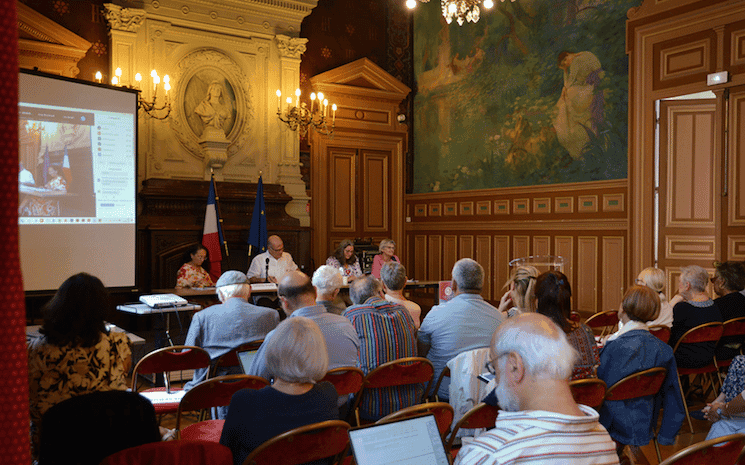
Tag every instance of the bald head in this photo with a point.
(296, 291)
(540, 344)
(275, 246)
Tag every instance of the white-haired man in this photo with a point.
(539, 421)
(463, 323)
(225, 326)
(328, 280)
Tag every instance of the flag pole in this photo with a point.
(219, 216)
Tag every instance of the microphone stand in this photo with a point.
(267, 270)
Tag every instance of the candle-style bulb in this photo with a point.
(138, 77)
(289, 99)
(297, 92)
(99, 76)
(118, 72)
(279, 93)
(333, 107)
(167, 87)
(325, 102)
(320, 96)
(114, 81)
(153, 73)
(312, 96)
(166, 79)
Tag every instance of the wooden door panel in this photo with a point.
(733, 228)
(342, 188)
(375, 177)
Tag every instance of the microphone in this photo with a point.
(267, 269)
(394, 258)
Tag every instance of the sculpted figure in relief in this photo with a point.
(213, 110)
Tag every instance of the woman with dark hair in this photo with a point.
(553, 293)
(76, 353)
(728, 281)
(191, 273)
(346, 260)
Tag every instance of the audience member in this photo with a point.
(220, 328)
(271, 265)
(696, 309)
(633, 349)
(191, 273)
(393, 276)
(387, 247)
(463, 323)
(327, 280)
(554, 293)
(76, 354)
(521, 293)
(727, 411)
(344, 259)
(298, 358)
(298, 298)
(728, 280)
(538, 422)
(386, 332)
(654, 278)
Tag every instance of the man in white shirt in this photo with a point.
(275, 260)
(539, 421)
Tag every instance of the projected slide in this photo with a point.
(77, 172)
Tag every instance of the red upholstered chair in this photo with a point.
(184, 452)
(230, 359)
(640, 384)
(607, 320)
(214, 392)
(307, 443)
(442, 411)
(720, 451)
(346, 380)
(399, 372)
(590, 392)
(166, 360)
(733, 327)
(480, 416)
(708, 332)
(444, 374)
(661, 332)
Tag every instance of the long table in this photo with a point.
(32, 333)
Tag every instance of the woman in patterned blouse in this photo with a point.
(345, 258)
(554, 293)
(76, 354)
(191, 273)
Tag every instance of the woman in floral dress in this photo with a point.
(191, 273)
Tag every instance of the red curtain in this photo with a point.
(14, 419)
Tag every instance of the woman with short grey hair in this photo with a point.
(297, 357)
(387, 248)
(696, 308)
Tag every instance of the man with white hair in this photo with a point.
(463, 323)
(220, 328)
(539, 421)
(328, 280)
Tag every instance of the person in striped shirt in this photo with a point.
(387, 332)
(538, 422)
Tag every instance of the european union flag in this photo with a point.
(257, 235)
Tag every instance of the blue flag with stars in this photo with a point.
(257, 235)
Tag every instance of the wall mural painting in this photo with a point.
(534, 93)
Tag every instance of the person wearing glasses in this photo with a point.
(728, 281)
(191, 273)
(387, 248)
(272, 265)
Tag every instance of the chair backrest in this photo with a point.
(590, 392)
(734, 327)
(639, 384)
(442, 411)
(311, 442)
(606, 320)
(707, 332)
(86, 428)
(216, 392)
(182, 452)
(480, 416)
(400, 372)
(346, 380)
(230, 359)
(661, 332)
(444, 374)
(174, 358)
(724, 450)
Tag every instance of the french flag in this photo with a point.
(66, 172)
(212, 235)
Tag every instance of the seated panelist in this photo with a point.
(191, 273)
(345, 260)
(272, 265)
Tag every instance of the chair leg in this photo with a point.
(657, 449)
(685, 404)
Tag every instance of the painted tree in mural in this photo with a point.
(534, 93)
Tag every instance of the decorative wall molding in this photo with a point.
(123, 19)
(290, 47)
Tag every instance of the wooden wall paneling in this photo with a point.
(449, 255)
(541, 245)
(734, 203)
(465, 250)
(420, 258)
(685, 59)
(342, 195)
(484, 257)
(613, 272)
(564, 248)
(585, 288)
(434, 257)
(501, 262)
(520, 247)
(375, 177)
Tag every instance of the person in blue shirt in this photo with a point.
(632, 349)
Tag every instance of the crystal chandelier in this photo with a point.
(460, 10)
(299, 117)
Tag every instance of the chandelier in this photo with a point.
(300, 118)
(150, 107)
(460, 10)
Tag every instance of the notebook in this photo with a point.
(245, 358)
(412, 441)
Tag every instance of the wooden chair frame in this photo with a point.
(172, 358)
(595, 388)
(444, 374)
(707, 332)
(655, 378)
(442, 411)
(317, 440)
(733, 327)
(480, 416)
(230, 358)
(731, 444)
(661, 332)
(608, 320)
